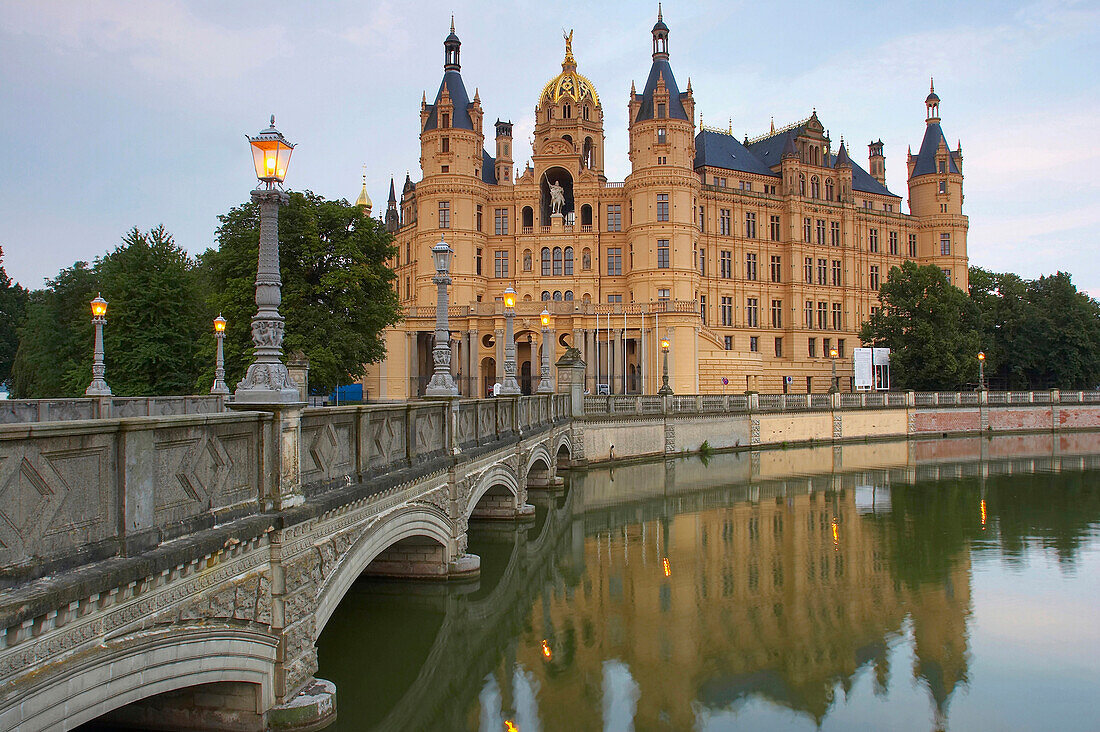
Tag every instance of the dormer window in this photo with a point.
(662, 111)
(661, 136)
(943, 166)
(446, 120)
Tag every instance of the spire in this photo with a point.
(451, 46)
(932, 104)
(661, 73)
(789, 150)
(393, 218)
(842, 159)
(660, 36)
(393, 198)
(773, 126)
(451, 89)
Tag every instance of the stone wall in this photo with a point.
(18, 411)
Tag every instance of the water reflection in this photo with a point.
(829, 587)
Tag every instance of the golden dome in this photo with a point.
(364, 199)
(569, 83)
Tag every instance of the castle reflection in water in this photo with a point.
(678, 589)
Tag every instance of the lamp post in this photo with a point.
(545, 387)
(98, 387)
(267, 380)
(219, 386)
(835, 385)
(665, 389)
(981, 370)
(510, 387)
(442, 383)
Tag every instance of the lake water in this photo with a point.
(950, 584)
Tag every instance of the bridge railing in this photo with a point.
(99, 488)
(21, 411)
(641, 404)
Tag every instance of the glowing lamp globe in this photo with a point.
(271, 154)
(441, 254)
(833, 353)
(664, 345)
(219, 324)
(545, 318)
(99, 307)
(509, 298)
(981, 355)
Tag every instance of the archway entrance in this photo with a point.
(488, 375)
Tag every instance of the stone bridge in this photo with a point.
(180, 569)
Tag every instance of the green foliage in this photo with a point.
(13, 306)
(337, 290)
(1037, 334)
(930, 327)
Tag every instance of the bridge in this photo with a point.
(192, 561)
(180, 565)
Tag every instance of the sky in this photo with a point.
(115, 114)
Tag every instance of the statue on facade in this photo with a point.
(557, 198)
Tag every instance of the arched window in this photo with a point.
(801, 185)
(569, 139)
(815, 188)
(569, 296)
(545, 295)
(829, 190)
(568, 261)
(557, 261)
(557, 295)
(586, 215)
(528, 217)
(586, 297)
(546, 261)
(585, 115)
(566, 111)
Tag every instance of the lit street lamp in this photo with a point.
(442, 383)
(219, 386)
(665, 389)
(833, 355)
(545, 387)
(267, 380)
(510, 387)
(98, 386)
(981, 370)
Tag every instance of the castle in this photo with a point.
(755, 259)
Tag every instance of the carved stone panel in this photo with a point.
(386, 438)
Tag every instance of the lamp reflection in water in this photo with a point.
(836, 532)
(983, 514)
(666, 567)
(509, 727)
(546, 652)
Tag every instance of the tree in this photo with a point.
(1003, 309)
(13, 306)
(338, 293)
(930, 327)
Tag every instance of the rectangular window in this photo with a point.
(779, 348)
(777, 313)
(894, 243)
(945, 245)
(614, 298)
(822, 272)
(826, 346)
(662, 253)
(809, 270)
(702, 219)
(809, 314)
(774, 228)
(725, 264)
(662, 136)
(777, 268)
(822, 315)
(445, 169)
(703, 308)
(819, 230)
(836, 273)
(662, 207)
(840, 347)
(724, 222)
(874, 277)
(943, 186)
(729, 343)
(702, 257)
(750, 225)
(754, 344)
(807, 230)
(727, 311)
(444, 214)
(614, 261)
(661, 107)
(662, 295)
(750, 266)
(811, 348)
(837, 317)
(479, 217)
(834, 233)
(408, 288)
(752, 313)
(615, 217)
(912, 246)
(500, 263)
(477, 262)
(947, 274)
(500, 220)
(446, 144)
(872, 241)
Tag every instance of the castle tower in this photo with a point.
(503, 163)
(877, 161)
(936, 197)
(393, 218)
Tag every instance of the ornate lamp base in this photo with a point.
(267, 383)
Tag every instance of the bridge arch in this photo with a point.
(407, 524)
(134, 668)
(539, 461)
(501, 482)
(563, 450)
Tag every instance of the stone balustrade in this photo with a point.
(19, 411)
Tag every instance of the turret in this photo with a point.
(877, 161)
(844, 172)
(393, 217)
(450, 138)
(503, 162)
(662, 128)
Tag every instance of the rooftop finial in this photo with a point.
(569, 60)
(659, 16)
(931, 85)
(452, 22)
(773, 125)
(272, 120)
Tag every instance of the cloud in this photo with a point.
(158, 38)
